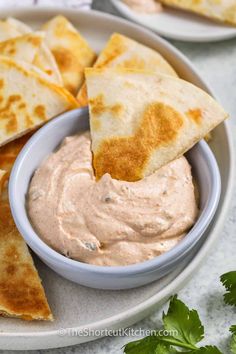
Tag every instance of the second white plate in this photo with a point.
(181, 25)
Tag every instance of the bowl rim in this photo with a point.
(44, 251)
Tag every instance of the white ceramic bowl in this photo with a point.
(46, 140)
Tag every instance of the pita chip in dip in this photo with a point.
(140, 121)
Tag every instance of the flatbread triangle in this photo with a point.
(140, 121)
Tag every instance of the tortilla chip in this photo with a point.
(21, 291)
(220, 10)
(43, 59)
(123, 52)
(140, 121)
(28, 101)
(22, 48)
(71, 51)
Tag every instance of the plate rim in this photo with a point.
(181, 37)
(145, 307)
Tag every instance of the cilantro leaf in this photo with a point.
(182, 330)
(165, 349)
(209, 349)
(229, 282)
(233, 329)
(146, 345)
(183, 324)
(149, 345)
(233, 344)
(233, 339)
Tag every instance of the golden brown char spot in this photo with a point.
(8, 47)
(49, 72)
(11, 269)
(11, 253)
(125, 157)
(40, 112)
(7, 114)
(29, 122)
(35, 41)
(66, 60)
(95, 124)
(195, 115)
(22, 105)
(12, 123)
(98, 106)
(133, 62)
(1, 83)
(11, 99)
(6, 221)
(12, 51)
(14, 98)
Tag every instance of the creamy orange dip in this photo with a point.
(109, 222)
(144, 6)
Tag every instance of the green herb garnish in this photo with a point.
(182, 329)
(229, 282)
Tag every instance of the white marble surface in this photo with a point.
(216, 63)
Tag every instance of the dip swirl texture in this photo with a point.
(109, 222)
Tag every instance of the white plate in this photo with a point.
(82, 308)
(178, 24)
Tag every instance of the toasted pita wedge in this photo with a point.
(3, 178)
(21, 291)
(43, 59)
(220, 10)
(22, 48)
(123, 52)
(140, 121)
(71, 51)
(28, 101)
